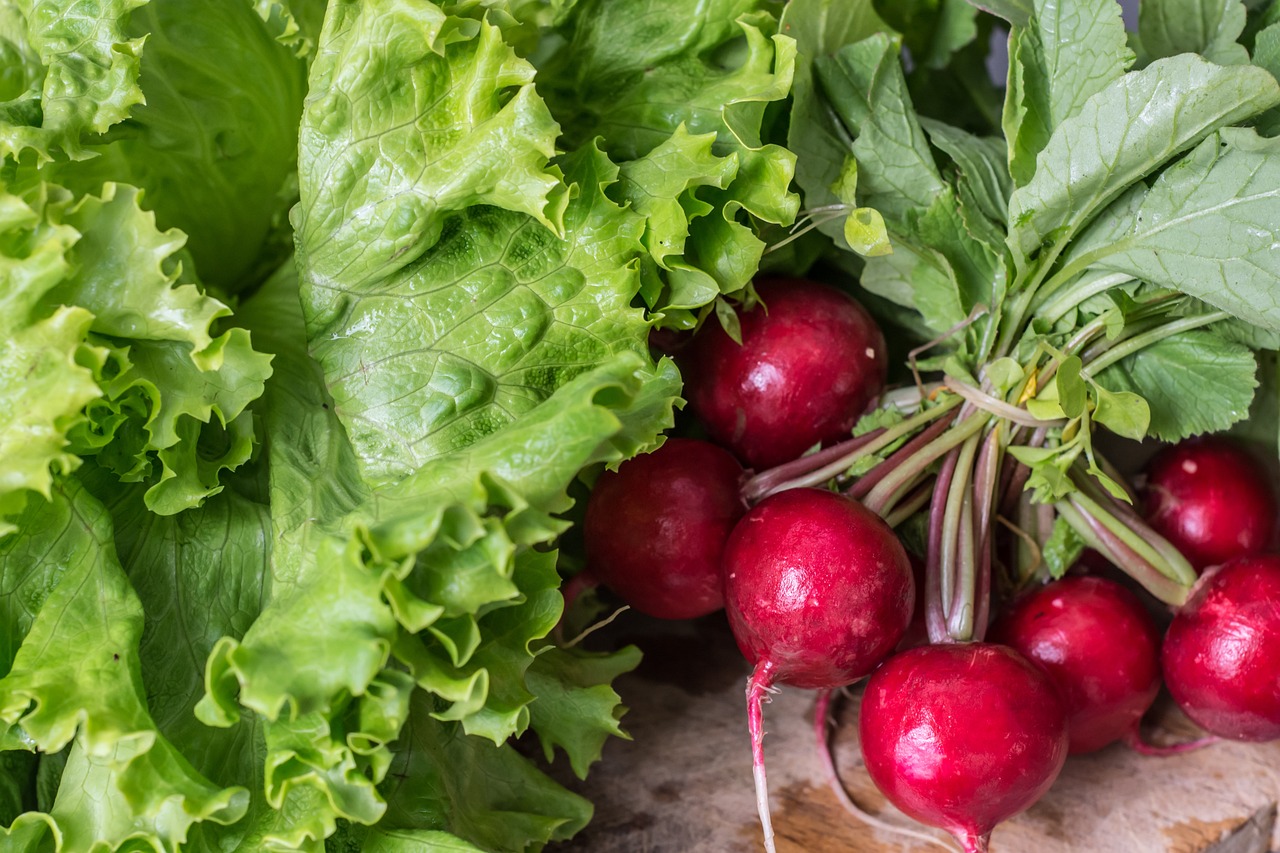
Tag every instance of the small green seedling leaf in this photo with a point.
(1124, 413)
(1005, 374)
(865, 233)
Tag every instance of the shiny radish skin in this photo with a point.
(1221, 654)
(962, 737)
(818, 590)
(656, 528)
(1211, 499)
(810, 362)
(817, 586)
(1100, 648)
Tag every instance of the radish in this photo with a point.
(1099, 647)
(810, 362)
(818, 590)
(1211, 499)
(962, 736)
(1221, 654)
(655, 529)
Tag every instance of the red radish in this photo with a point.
(1100, 648)
(962, 736)
(818, 591)
(810, 362)
(1221, 653)
(655, 529)
(1211, 499)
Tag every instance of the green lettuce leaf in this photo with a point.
(76, 679)
(77, 74)
(437, 570)
(411, 115)
(481, 328)
(714, 67)
(214, 147)
(46, 375)
(175, 393)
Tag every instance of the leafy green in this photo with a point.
(1067, 52)
(45, 374)
(1210, 28)
(1200, 366)
(1131, 127)
(76, 74)
(1206, 227)
(823, 161)
(647, 82)
(76, 679)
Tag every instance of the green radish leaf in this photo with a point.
(933, 30)
(1210, 28)
(728, 319)
(815, 134)
(1266, 54)
(865, 232)
(982, 162)
(1206, 227)
(1069, 51)
(1129, 129)
(1116, 490)
(1124, 413)
(896, 172)
(1005, 374)
(1199, 366)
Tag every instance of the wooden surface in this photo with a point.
(683, 785)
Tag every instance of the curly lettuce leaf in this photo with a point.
(76, 679)
(46, 375)
(713, 67)
(437, 570)
(78, 75)
(412, 114)
(481, 327)
(175, 392)
(214, 147)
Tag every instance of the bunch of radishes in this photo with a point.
(958, 733)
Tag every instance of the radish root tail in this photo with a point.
(759, 687)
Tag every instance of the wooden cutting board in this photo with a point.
(683, 784)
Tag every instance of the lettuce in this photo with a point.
(314, 315)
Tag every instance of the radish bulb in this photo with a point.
(818, 591)
(1221, 654)
(810, 362)
(962, 736)
(655, 529)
